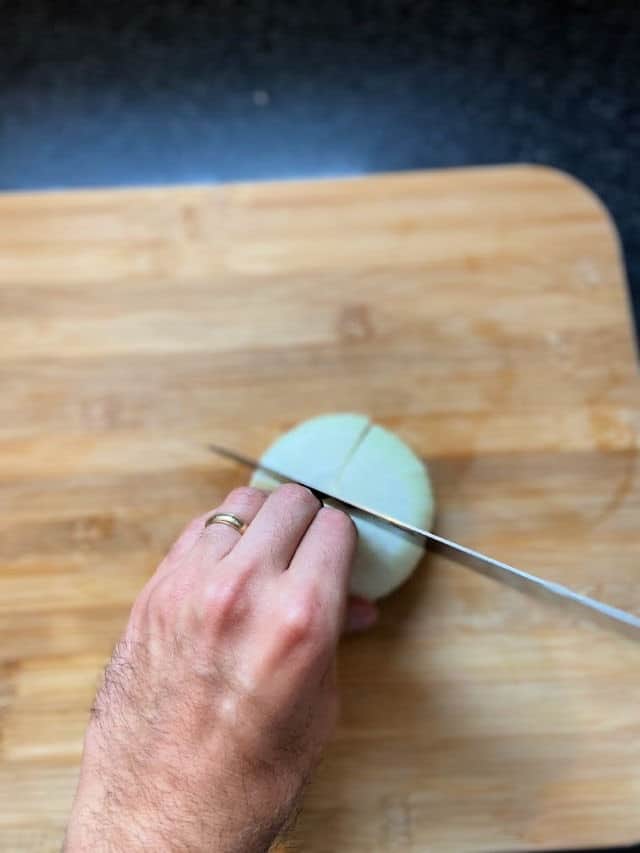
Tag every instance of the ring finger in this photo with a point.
(217, 538)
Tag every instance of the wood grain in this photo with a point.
(480, 313)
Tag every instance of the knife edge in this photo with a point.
(605, 615)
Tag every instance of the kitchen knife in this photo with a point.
(605, 615)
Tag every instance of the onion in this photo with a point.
(354, 459)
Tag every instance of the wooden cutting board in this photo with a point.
(482, 315)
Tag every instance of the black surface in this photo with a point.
(99, 93)
(634, 848)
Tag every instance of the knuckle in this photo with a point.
(300, 618)
(297, 494)
(225, 599)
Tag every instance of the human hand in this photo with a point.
(221, 694)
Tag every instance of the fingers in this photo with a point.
(278, 527)
(323, 562)
(216, 541)
(219, 539)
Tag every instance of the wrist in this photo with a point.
(104, 830)
(110, 815)
(105, 824)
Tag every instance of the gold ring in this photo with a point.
(227, 518)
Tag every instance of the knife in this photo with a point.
(604, 615)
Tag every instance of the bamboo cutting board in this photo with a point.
(479, 313)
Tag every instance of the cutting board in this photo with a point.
(482, 315)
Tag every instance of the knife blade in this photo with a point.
(605, 615)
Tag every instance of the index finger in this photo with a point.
(323, 561)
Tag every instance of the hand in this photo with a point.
(221, 694)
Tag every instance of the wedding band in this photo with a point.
(227, 518)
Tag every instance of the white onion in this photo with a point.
(348, 456)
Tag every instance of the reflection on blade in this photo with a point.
(603, 614)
